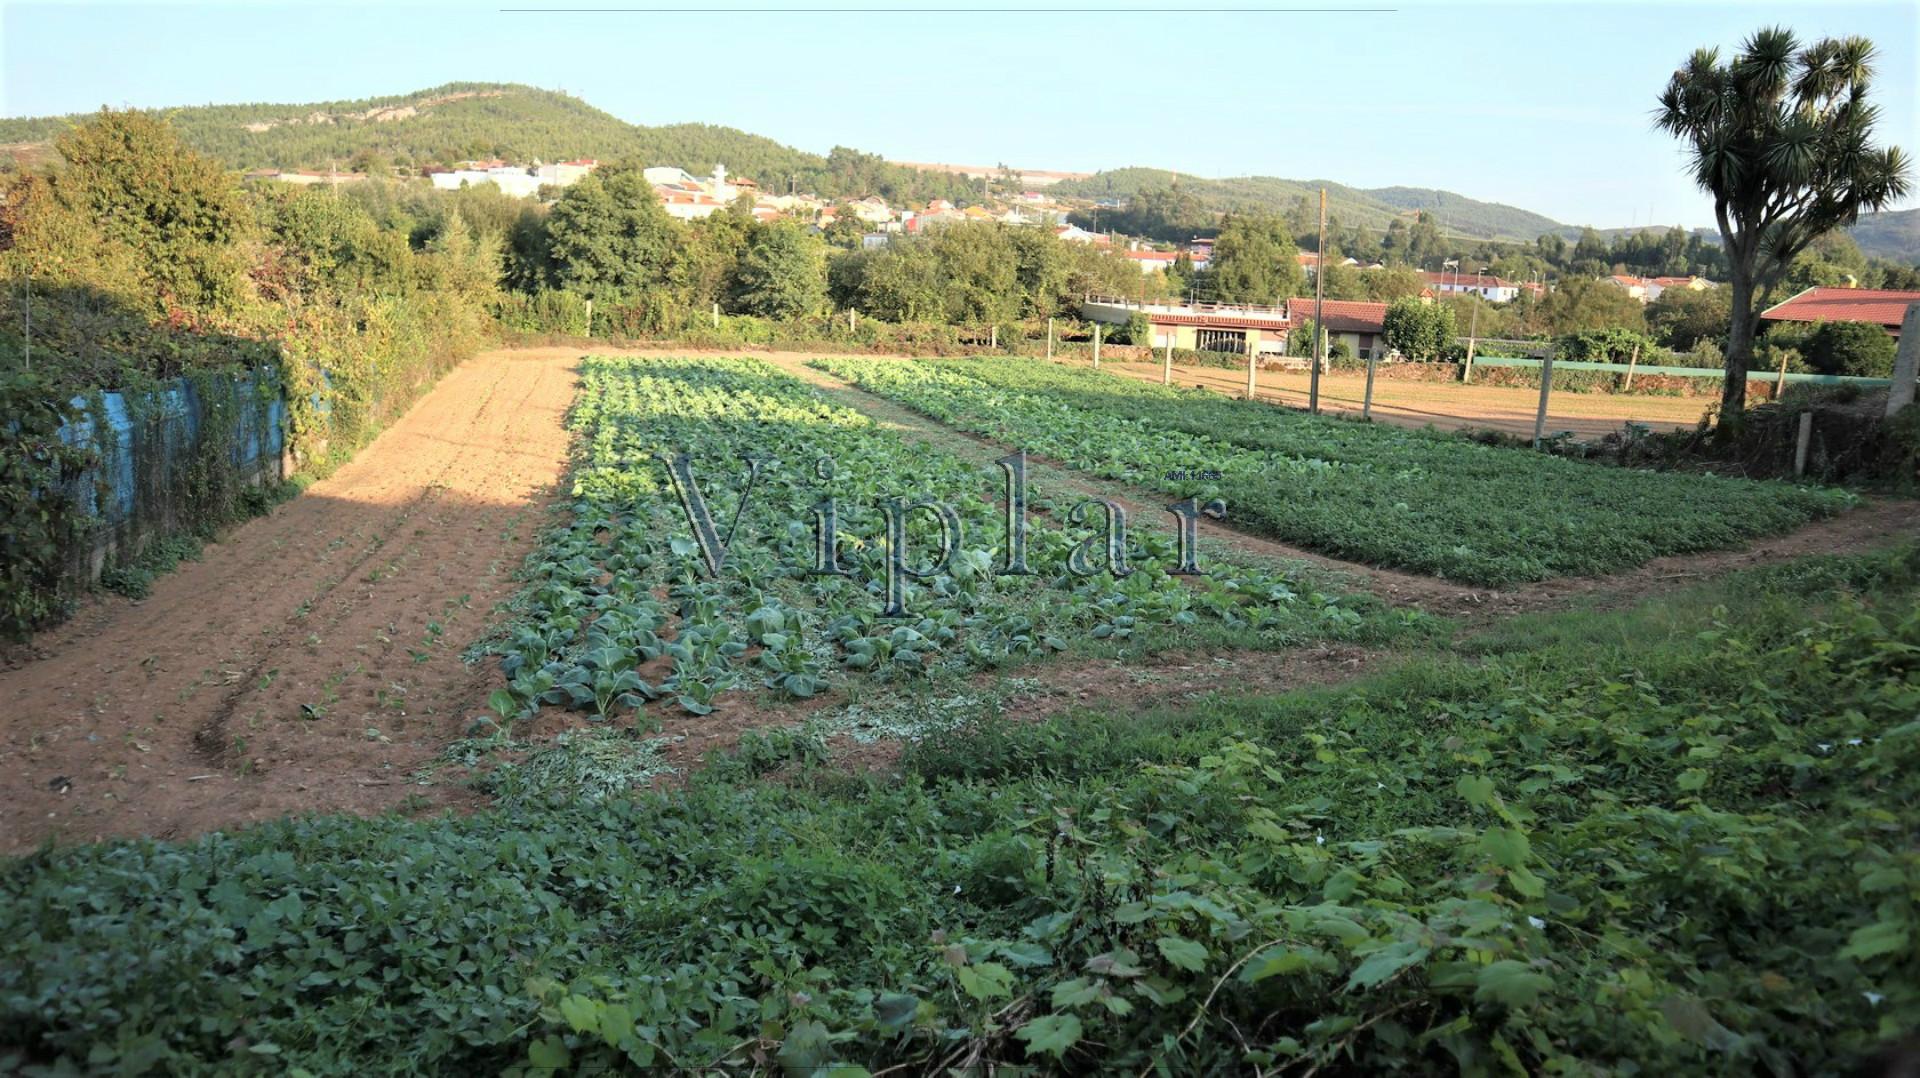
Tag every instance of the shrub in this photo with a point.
(1860, 349)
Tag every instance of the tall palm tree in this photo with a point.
(1780, 136)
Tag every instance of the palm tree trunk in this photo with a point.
(1739, 354)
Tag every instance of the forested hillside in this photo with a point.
(1894, 235)
(470, 120)
(1367, 208)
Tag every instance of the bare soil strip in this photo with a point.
(311, 659)
(1442, 405)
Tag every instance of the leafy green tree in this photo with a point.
(1389, 283)
(1421, 331)
(847, 231)
(1682, 317)
(1582, 303)
(179, 213)
(609, 237)
(1780, 136)
(1855, 348)
(705, 267)
(1255, 261)
(782, 274)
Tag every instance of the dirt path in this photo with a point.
(1444, 405)
(311, 659)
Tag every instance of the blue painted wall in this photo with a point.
(131, 496)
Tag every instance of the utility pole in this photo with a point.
(1319, 325)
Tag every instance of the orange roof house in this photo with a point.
(1882, 307)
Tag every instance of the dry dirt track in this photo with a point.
(297, 666)
(1445, 405)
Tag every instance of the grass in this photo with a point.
(1674, 839)
(1379, 494)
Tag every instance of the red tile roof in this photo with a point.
(1880, 306)
(1341, 315)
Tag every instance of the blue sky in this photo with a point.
(1544, 106)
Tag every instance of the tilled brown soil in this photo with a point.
(310, 660)
(1443, 405)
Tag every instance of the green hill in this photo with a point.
(1371, 208)
(1894, 235)
(474, 120)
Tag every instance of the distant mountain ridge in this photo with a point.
(1895, 235)
(480, 120)
(1372, 208)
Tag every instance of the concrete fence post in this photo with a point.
(1546, 390)
(1802, 442)
(1166, 365)
(1906, 362)
(589, 318)
(1366, 399)
(1253, 350)
(716, 316)
(993, 338)
(1049, 338)
(1632, 362)
(1096, 346)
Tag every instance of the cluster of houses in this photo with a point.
(1648, 289)
(520, 181)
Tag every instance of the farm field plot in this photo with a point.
(1443, 405)
(1388, 496)
(624, 609)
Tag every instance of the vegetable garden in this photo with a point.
(1672, 836)
(623, 609)
(1408, 499)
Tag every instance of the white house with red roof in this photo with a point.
(1486, 286)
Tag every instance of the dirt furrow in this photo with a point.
(315, 651)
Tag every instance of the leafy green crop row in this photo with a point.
(1676, 841)
(622, 609)
(1385, 495)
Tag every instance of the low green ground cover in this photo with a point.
(1672, 840)
(624, 584)
(1386, 495)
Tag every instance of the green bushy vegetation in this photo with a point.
(146, 264)
(1674, 839)
(624, 583)
(1385, 495)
